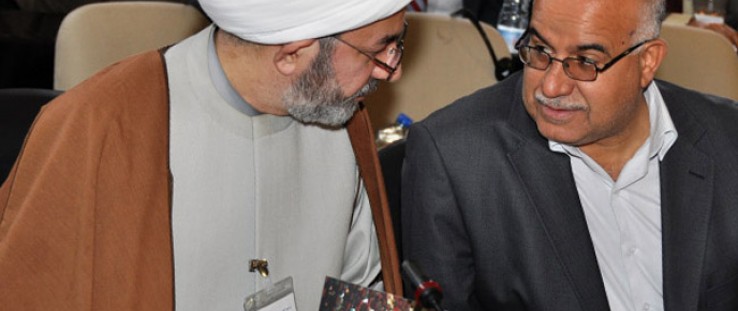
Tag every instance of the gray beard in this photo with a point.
(316, 96)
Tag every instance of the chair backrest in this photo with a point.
(18, 109)
(96, 35)
(445, 58)
(700, 59)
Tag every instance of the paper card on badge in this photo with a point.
(286, 303)
(277, 297)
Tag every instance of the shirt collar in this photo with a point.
(221, 83)
(663, 133)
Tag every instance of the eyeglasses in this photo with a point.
(575, 67)
(392, 53)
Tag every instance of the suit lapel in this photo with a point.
(686, 200)
(550, 185)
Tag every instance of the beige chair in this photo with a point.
(96, 35)
(700, 59)
(445, 58)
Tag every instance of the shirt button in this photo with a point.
(632, 251)
(646, 307)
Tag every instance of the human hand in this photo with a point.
(723, 29)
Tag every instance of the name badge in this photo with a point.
(278, 297)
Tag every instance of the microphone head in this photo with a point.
(428, 293)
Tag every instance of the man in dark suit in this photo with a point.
(580, 183)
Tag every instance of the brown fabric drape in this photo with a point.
(362, 140)
(85, 212)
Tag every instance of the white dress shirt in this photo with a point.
(624, 216)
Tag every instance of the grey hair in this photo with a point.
(315, 97)
(327, 45)
(650, 25)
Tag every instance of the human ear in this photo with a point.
(290, 57)
(650, 58)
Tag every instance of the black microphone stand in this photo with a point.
(505, 66)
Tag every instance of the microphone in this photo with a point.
(505, 66)
(428, 293)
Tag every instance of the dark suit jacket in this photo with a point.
(494, 216)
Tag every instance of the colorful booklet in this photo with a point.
(342, 296)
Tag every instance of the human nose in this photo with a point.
(555, 80)
(380, 73)
(397, 75)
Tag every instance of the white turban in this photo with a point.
(282, 21)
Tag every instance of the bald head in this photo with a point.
(648, 14)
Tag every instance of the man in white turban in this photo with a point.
(160, 182)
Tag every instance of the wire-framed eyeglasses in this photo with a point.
(392, 53)
(576, 67)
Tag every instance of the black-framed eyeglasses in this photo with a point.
(392, 53)
(575, 67)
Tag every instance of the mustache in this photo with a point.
(559, 103)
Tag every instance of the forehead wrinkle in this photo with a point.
(592, 46)
(579, 47)
(601, 26)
